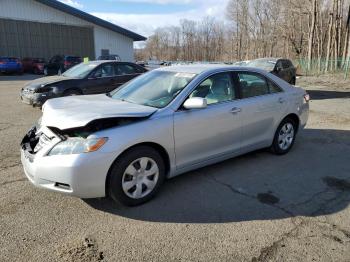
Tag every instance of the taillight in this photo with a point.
(66, 63)
(307, 98)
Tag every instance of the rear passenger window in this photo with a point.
(125, 70)
(252, 85)
(273, 87)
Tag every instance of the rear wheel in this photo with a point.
(284, 137)
(136, 176)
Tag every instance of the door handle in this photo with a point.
(235, 110)
(281, 100)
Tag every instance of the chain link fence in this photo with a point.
(321, 66)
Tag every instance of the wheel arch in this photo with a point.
(295, 118)
(160, 149)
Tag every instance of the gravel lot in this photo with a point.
(258, 207)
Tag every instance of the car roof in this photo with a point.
(202, 68)
(275, 59)
(98, 62)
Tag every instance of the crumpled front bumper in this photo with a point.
(80, 175)
(35, 99)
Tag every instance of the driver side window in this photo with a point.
(216, 89)
(106, 70)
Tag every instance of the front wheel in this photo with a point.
(136, 176)
(284, 137)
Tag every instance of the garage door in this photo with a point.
(33, 39)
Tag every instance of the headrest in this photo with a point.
(219, 87)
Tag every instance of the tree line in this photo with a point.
(314, 31)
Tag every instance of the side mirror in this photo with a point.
(195, 103)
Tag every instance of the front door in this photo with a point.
(204, 134)
(102, 80)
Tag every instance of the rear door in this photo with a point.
(262, 106)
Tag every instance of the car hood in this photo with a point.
(46, 81)
(78, 111)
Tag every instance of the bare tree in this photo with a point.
(313, 31)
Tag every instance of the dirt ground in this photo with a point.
(257, 207)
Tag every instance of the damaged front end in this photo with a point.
(95, 126)
(69, 141)
(38, 140)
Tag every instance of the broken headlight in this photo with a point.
(78, 145)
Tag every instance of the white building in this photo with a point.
(43, 28)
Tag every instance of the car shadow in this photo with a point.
(311, 180)
(321, 94)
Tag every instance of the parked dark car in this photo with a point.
(60, 63)
(110, 57)
(94, 77)
(283, 68)
(33, 65)
(10, 65)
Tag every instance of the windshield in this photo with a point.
(80, 71)
(263, 64)
(156, 88)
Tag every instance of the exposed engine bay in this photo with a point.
(35, 139)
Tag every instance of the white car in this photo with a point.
(161, 124)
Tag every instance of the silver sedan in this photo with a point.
(164, 123)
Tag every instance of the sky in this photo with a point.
(144, 16)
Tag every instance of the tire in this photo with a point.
(284, 137)
(126, 178)
(72, 92)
